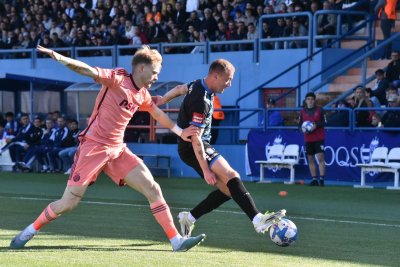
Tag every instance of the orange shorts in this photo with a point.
(92, 157)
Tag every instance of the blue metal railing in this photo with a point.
(369, 39)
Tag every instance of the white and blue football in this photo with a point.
(307, 126)
(283, 233)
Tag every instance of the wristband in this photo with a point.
(177, 130)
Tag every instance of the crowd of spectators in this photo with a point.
(384, 94)
(65, 23)
(52, 142)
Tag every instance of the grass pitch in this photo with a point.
(338, 226)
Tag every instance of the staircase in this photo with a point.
(354, 75)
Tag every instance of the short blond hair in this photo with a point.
(221, 66)
(146, 55)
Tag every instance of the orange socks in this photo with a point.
(163, 216)
(45, 217)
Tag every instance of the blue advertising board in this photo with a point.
(344, 149)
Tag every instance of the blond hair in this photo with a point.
(146, 55)
(221, 66)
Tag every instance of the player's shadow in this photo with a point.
(132, 247)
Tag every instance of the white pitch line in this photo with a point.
(221, 211)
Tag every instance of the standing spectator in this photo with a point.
(393, 68)
(217, 117)
(315, 138)
(274, 116)
(386, 11)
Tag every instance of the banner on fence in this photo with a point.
(343, 151)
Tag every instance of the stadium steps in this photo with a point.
(344, 82)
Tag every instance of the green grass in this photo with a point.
(114, 227)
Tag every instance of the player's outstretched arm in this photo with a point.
(171, 94)
(73, 64)
(165, 121)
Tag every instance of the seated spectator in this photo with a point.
(26, 164)
(376, 121)
(339, 118)
(26, 136)
(392, 117)
(67, 154)
(393, 68)
(298, 31)
(381, 84)
(361, 102)
(326, 23)
(61, 141)
(274, 116)
(46, 145)
(10, 127)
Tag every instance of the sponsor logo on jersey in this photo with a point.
(198, 118)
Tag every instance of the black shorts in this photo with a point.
(313, 148)
(187, 155)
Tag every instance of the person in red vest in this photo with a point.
(386, 11)
(314, 138)
(217, 117)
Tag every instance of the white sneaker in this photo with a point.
(187, 225)
(68, 172)
(268, 220)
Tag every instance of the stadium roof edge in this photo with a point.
(94, 87)
(33, 79)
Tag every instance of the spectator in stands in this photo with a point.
(374, 100)
(252, 34)
(386, 12)
(326, 23)
(361, 102)
(339, 118)
(392, 117)
(25, 137)
(10, 128)
(393, 68)
(67, 154)
(209, 24)
(298, 31)
(381, 85)
(194, 21)
(376, 121)
(180, 15)
(315, 138)
(274, 116)
(46, 145)
(29, 158)
(62, 139)
(266, 33)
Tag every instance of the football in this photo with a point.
(283, 233)
(307, 126)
